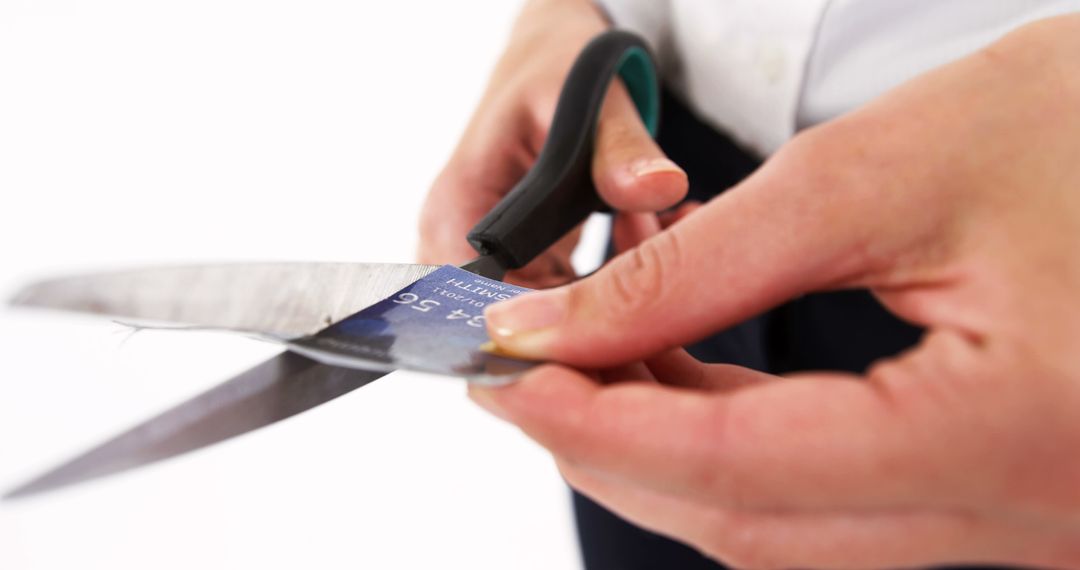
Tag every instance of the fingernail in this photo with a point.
(646, 166)
(491, 348)
(484, 398)
(523, 326)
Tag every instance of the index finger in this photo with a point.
(824, 442)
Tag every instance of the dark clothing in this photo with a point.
(845, 331)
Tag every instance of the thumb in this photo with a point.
(791, 228)
(630, 171)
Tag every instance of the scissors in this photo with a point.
(290, 299)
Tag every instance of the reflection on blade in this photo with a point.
(274, 390)
(284, 299)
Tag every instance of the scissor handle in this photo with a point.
(557, 193)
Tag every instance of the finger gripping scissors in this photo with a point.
(558, 193)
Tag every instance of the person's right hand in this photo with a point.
(508, 130)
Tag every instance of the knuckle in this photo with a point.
(838, 177)
(620, 131)
(1041, 56)
(428, 247)
(429, 223)
(886, 371)
(741, 543)
(618, 141)
(733, 429)
(638, 278)
(572, 474)
(834, 156)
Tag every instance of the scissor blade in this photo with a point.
(272, 391)
(285, 299)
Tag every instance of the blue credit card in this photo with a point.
(433, 325)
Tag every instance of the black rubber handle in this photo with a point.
(557, 193)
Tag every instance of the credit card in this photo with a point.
(434, 325)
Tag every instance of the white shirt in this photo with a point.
(762, 69)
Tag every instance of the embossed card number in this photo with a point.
(433, 325)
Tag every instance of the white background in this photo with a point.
(152, 131)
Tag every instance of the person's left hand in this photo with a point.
(956, 200)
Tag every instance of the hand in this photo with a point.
(955, 199)
(509, 127)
